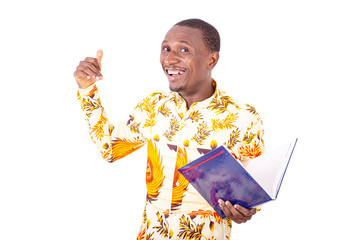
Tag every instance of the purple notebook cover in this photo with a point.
(218, 175)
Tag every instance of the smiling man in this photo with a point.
(188, 62)
(177, 127)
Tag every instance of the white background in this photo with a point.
(297, 62)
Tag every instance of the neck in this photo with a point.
(204, 93)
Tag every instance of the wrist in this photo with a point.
(86, 91)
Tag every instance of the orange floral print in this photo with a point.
(123, 147)
(252, 150)
(176, 135)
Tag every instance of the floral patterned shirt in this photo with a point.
(175, 136)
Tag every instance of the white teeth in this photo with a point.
(172, 72)
(177, 72)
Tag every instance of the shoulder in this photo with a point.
(245, 115)
(234, 104)
(153, 99)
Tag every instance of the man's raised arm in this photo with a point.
(112, 142)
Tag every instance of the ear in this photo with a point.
(213, 59)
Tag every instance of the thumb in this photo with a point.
(99, 55)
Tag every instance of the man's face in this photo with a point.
(185, 59)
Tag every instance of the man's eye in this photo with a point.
(183, 50)
(166, 49)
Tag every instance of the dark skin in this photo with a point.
(236, 212)
(188, 64)
(183, 51)
(89, 71)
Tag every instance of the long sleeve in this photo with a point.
(113, 142)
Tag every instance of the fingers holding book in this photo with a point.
(236, 213)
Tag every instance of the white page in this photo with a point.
(269, 168)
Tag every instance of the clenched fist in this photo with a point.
(89, 70)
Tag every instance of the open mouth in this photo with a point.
(175, 72)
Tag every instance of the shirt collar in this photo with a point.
(197, 105)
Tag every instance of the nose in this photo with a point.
(171, 58)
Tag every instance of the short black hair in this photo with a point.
(211, 36)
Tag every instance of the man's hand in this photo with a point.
(89, 70)
(236, 213)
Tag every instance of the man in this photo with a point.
(178, 127)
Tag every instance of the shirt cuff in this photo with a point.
(85, 91)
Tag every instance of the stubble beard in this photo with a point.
(176, 89)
